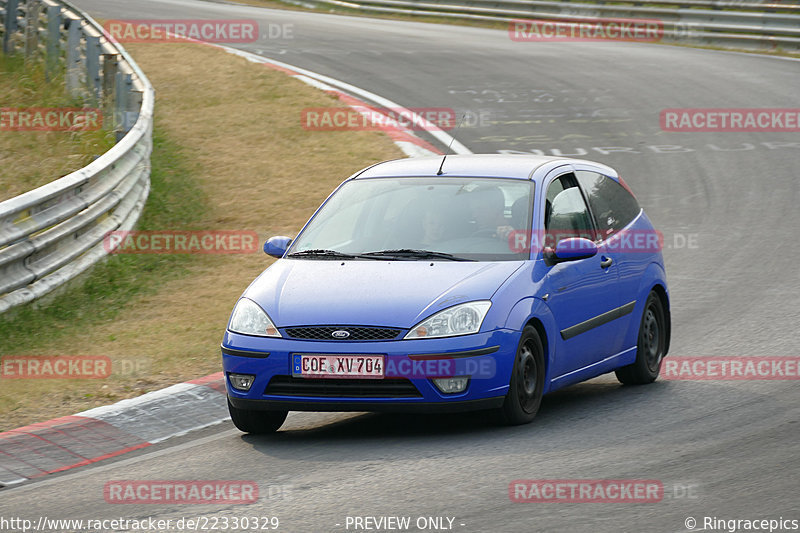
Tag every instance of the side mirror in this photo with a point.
(572, 249)
(277, 246)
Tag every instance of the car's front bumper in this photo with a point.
(486, 358)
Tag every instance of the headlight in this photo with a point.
(461, 319)
(249, 319)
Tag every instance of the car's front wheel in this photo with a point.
(650, 347)
(256, 422)
(527, 380)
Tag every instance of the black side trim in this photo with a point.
(244, 353)
(599, 320)
(391, 407)
(454, 355)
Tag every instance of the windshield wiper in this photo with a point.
(333, 254)
(410, 253)
(401, 253)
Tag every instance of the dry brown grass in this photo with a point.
(239, 123)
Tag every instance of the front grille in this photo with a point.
(355, 333)
(342, 388)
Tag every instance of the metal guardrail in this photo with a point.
(53, 233)
(727, 23)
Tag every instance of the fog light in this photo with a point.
(241, 382)
(451, 385)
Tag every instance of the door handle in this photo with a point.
(605, 263)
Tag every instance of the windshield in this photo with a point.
(467, 218)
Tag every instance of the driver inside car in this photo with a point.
(487, 211)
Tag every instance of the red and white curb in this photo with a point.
(68, 442)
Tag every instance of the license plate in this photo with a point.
(337, 366)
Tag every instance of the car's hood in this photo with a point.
(298, 292)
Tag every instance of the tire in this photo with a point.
(651, 346)
(527, 381)
(256, 422)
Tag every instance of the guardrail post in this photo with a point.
(124, 84)
(93, 67)
(10, 26)
(53, 54)
(31, 28)
(110, 71)
(135, 103)
(73, 56)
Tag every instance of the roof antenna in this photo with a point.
(440, 172)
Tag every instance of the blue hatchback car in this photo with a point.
(470, 282)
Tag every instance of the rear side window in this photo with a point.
(612, 205)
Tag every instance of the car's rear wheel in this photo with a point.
(527, 380)
(650, 347)
(256, 422)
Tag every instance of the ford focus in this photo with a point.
(448, 284)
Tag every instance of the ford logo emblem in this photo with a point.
(340, 334)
